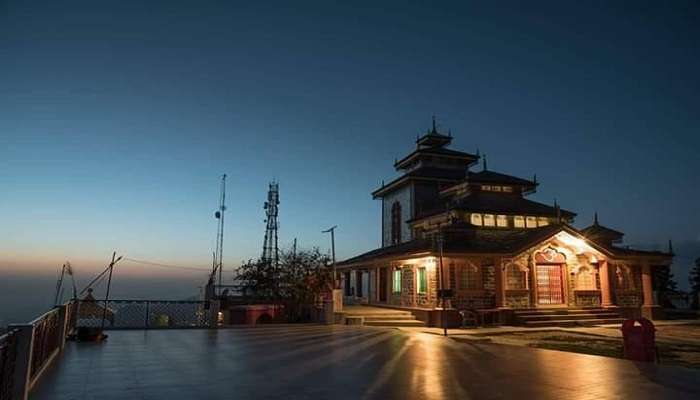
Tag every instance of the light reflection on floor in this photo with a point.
(337, 362)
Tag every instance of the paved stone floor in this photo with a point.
(339, 362)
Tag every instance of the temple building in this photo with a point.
(498, 250)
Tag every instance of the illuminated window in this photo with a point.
(469, 277)
(516, 277)
(542, 221)
(422, 281)
(519, 221)
(508, 189)
(486, 188)
(476, 219)
(502, 221)
(496, 188)
(585, 279)
(489, 220)
(396, 283)
(531, 222)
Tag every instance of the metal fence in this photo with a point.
(144, 314)
(8, 356)
(47, 340)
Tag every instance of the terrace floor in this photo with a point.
(342, 362)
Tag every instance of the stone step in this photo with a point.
(601, 315)
(381, 315)
(573, 322)
(563, 311)
(398, 322)
(391, 317)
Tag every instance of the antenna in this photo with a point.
(219, 215)
(270, 255)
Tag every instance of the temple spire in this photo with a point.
(534, 179)
(486, 167)
(595, 218)
(434, 131)
(670, 247)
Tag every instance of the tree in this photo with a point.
(297, 283)
(694, 280)
(664, 284)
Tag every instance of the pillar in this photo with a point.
(605, 292)
(650, 309)
(500, 283)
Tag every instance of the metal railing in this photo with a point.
(144, 314)
(47, 331)
(8, 356)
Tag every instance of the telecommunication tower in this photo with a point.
(219, 215)
(270, 254)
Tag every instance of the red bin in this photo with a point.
(639, 340)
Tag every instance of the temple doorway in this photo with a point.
(549, 277)
(550, 285)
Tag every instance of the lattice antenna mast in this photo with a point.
(219, 214)
(270, 254)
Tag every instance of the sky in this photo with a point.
(118, 118)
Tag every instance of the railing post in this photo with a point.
(62, 325)
(23, 360)
(147, 321)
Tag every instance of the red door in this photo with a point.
(550, 285)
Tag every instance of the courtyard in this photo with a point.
(342, 362)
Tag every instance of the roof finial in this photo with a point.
(595, 218)
(557, 209)
(478, 153)
(382, 182)
(449, 132)
(434, 129)
(486, 167)
(670, 247)
(534, 179)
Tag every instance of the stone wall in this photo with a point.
(518, 298)
(480, 298)
(587, 298)
(408, 287)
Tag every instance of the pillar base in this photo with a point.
(653, 312)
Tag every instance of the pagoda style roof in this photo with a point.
(498, 178)
(423, 173)
(405, 162)
(507, 203)
(602, 233)
(506, 242)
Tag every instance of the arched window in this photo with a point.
(516, 277)
(585, 279)
(624, 278)
(396, 223)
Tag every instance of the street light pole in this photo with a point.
(442, 285)
(332, 232)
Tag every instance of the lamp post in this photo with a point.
(442, 285)
(331, 230)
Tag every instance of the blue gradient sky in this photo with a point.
(117, 120)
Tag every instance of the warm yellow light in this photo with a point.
(578, 244)
(594, 259)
